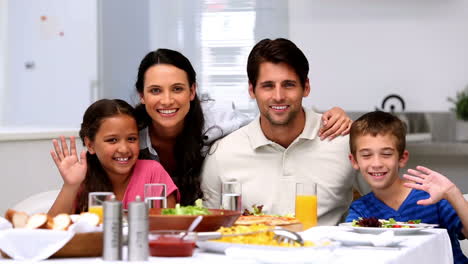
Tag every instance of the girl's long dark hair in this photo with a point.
(96, 178)
(189, 143)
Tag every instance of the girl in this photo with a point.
(109, 132)
(172, 120)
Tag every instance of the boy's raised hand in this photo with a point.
(432, 182)
(72, 169)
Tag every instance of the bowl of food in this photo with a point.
(171, 243)
(181, 217)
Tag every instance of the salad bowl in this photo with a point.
(211, 222)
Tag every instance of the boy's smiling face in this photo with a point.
(378, 160)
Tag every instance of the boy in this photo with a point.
(377, 144)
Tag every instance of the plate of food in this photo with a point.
(372, 225)
(257, 236)
(180, 218)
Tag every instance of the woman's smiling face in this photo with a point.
(167, 95)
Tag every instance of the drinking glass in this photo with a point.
(96, 202)
(306, 204)
(231, 193)
(155, 195)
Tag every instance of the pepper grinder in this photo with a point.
(112, 230)
(138, 230)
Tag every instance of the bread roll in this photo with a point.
(59, 222)
(37, 221)
(19, 219)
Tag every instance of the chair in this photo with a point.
(37, 203)
(464, 243)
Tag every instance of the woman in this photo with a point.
(172, 120)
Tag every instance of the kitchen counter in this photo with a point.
(35, 133)
(428, 148)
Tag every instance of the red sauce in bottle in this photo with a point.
(169, 246)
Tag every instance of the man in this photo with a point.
(281, 146)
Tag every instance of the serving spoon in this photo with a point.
(192, 226)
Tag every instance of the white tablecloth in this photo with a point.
(426, 246)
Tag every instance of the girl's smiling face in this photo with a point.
(167, 95)
(116, 145)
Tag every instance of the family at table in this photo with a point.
(173, 137)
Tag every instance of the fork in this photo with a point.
(280, 235)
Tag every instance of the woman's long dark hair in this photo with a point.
(189, 143)
(96, 178)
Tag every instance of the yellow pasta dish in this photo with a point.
(261, 238)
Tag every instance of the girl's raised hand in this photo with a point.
(72, 169)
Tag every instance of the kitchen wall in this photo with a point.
(359, 52)
(50, 56)
(362, 50)
(3, 52)
(27, 167)
(124, 40)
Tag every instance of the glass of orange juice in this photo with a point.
(306, 204)
(96, 202)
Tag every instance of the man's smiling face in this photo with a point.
(278, 93)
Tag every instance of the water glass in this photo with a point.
(231, 193)
(306, 204)
(96, 202)
(155, 195)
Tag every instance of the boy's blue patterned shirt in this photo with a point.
(441, 213)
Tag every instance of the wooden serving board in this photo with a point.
(81, 245)
(297, 227)
(285, 222)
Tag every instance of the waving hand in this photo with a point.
(72, 169)
(432, 182)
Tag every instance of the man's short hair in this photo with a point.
(276, 51)
(378, 123)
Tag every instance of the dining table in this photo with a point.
(430, 245)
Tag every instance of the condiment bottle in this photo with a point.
(112, 229)
(137, 230)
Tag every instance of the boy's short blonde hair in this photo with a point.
(378, 123)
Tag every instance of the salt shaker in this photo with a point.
(137, 230)
(112, 229)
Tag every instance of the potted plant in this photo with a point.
(461, 111)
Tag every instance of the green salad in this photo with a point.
(196, 209)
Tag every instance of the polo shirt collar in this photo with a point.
(258, 139)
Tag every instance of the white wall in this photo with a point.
(27, 169)
(124, 40)
(3, 54)
(362, 50)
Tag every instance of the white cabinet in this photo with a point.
(51, 67)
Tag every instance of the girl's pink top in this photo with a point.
(147, 171)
